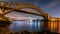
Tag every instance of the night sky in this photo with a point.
(50, 6)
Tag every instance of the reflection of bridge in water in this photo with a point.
(26, 16)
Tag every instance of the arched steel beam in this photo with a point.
(20, 5)
(12, 9)
(23, 5)
(28, 5)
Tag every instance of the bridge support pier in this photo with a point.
(46, 20)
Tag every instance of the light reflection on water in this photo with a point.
(25, 25)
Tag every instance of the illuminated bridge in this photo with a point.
(24, 17)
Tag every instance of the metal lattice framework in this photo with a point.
(16, 6)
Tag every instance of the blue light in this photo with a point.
(33, 26)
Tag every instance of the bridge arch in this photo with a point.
(21, 5)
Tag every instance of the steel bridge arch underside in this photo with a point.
(21, 6)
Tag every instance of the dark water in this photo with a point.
(29, 25)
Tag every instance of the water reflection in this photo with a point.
(29, 25)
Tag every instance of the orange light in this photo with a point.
(58, 27)
(52, 26)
